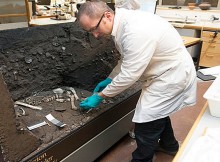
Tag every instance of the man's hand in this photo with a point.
(91, 102)
(102, 85)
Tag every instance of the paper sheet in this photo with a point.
(215, 71)
(206, 148)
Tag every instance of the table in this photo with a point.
(191, 41)
(203, 121)
(49, 21)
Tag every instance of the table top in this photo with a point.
(189, 41)
(206, 25)
(203, 121)
(49, 21)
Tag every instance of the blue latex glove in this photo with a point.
(91, 102)
(102, 85)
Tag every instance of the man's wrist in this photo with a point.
(102, 95)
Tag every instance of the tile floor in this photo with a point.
(182, 122)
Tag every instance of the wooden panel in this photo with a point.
(210, 37)
(208, 34)
(210, 48)
(209, 59)
(210, 53)
(12, 11)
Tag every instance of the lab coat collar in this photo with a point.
(116, 21)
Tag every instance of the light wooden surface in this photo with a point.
(202, 26)
(49, 21)
(188, 41)
(198, 26)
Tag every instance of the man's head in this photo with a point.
(96, 17)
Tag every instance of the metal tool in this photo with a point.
(54, 121)
(37, 125)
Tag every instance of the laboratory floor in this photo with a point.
(182, 122)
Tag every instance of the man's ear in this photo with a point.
(108, 15)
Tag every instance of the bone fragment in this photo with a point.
(50, 98)
(60, 100)
(23, 112)
(88, 111)
(27, 105)
(74, 93)
(72, 100)
(58, 90)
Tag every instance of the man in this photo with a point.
(151, 50)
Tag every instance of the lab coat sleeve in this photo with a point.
(137, 53)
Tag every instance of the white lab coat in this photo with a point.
(153, 51)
